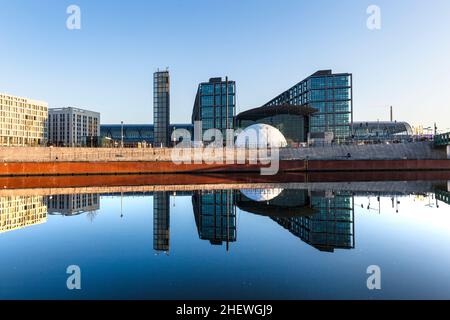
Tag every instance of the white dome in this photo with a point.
(260, 195)
(260, 136)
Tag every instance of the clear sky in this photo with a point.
(265, 46)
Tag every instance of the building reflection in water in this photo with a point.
(73, 204)
(161, 221)
(17, 212)
(215, 216)
(324, 220)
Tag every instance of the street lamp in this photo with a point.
(121, 134)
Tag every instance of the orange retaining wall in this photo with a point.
(83, 168)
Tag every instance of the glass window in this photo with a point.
(207, 112)
(207, 89)
(207, 101)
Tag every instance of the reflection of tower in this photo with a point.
(161, 221)
(215, 216)
(18, 212)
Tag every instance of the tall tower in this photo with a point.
(161, 108)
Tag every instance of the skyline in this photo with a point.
(120, 46)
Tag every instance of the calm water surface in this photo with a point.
(271, 243)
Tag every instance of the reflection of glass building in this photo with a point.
(275, 202)
(291, 120)
(330, 94)
(215, 216)
(17, 212)
(73, 204)
(161, 221)
(215, 105)
(161, 107)
(330, 228)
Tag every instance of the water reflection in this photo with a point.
(323, 219)
(245, 240)
(73, 204)
(161, 221)
(215, 216)
(18, 212)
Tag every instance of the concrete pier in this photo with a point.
(448, 152)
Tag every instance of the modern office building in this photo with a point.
(23, 122)
(73, 127)
(161, 108)
(215, 216)
(73, 204)
(215, 105)
(161, 221)
(331, 94)
(135, 135)
(17, 212)
(291, 120)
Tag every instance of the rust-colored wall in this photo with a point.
(78, 168)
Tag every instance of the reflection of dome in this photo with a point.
(261, 136)
(260, 195)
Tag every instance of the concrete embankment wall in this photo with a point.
(410, 151)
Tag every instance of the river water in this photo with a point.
(317, 242)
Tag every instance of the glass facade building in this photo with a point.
(215, 105)
(331, 94)
(161, 107)
(292, 121)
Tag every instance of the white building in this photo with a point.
(72, 127)
(22, 121)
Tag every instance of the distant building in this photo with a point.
(23, 122)
(382, 130)
(215, 105)
(73, 127)
(135, 135)
(161, 108)
(73, 204)
(291, 120)
(331, 94)
(17, 212)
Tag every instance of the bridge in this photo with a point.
(442, 139)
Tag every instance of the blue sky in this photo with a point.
(265, 46)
